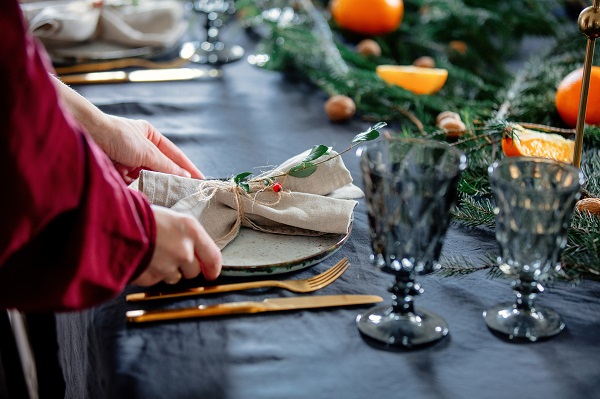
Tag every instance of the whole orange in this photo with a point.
(568, 97)
(369, 17)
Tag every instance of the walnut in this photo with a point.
(447, 114)
(340, 108)
(424, 62)
(459, 46)
(454, 128)
(368, 47)
(591, 205)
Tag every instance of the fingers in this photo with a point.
(173, 280)
(157, 161)
(209, 255)
(183, 249)
(190, 269)
(172, 153)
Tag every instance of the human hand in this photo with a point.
(135, 144)
(131, 144)
(183, 249)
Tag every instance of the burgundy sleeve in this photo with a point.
(71, 233)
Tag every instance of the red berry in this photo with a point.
(277, 187)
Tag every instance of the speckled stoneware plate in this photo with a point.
(253, 253)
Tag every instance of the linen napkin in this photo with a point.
(155, 23)
(318, 204)
(62, 20)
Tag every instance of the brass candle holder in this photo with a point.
(589, 24)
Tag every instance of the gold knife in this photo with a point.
(142, 75)
(249, 307)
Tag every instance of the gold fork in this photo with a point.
(308, 285)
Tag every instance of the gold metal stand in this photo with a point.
(589, 24)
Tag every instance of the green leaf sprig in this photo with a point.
(308, 166)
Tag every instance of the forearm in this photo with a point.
(87, 114)
(73, 234)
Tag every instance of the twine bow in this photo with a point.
(207, 189)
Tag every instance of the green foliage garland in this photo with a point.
(487, 95)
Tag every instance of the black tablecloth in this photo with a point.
(251, 118)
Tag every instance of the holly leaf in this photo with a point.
(370, 134)
(240, 181)
(244, 186)
(242, 177)
(317, 152)
(303, 169)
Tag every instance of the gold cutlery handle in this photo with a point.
(120, 64)
(249, 307)
(143, 316)
(145, 296)
(84, 78)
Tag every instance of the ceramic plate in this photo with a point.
(97, 51)
(255, 253)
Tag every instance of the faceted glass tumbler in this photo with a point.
(410, 187)
(534, 201)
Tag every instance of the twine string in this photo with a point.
(207, 189)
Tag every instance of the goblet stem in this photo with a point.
(212, 50)
(523, 319)
(526, 290)
(403, 292)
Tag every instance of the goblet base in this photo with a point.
(523, 324)
(215, 53)
(405, 330)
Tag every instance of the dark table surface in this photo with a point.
(253, 117)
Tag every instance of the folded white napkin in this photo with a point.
(155, 23)
(318, 204)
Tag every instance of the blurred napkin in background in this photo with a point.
(155, 23)
(318, 204)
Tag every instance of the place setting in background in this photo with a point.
(94, 41)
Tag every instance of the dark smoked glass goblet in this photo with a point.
(410, 188)
(534, 200)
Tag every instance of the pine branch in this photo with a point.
(582, 254)
(459, 265)
(475, 212)
(590, 166)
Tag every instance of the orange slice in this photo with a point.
(419, 80)
(530, 143)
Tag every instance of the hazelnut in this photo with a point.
(459, 46)
(424, 62)
(340, 108)
(447, 114)
(591, 205)
(454, 128)
(368, 47)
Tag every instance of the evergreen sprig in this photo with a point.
(481, 88)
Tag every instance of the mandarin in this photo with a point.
(369, 17)
(568, 96)
(530, 143)
(419, 80)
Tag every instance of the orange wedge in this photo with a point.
(530, 143)
(419, 80)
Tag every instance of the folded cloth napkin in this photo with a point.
(155, 23)
(62, 20)
(314, 205)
